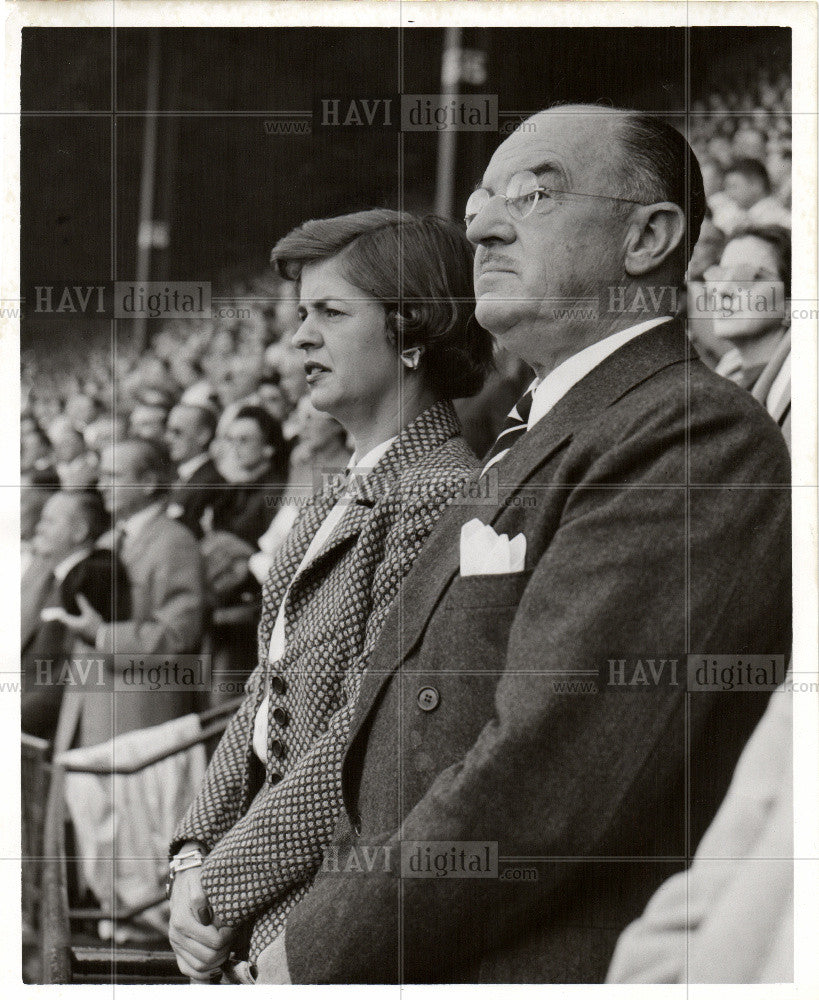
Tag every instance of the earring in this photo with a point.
(411, 356)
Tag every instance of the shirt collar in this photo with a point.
(554, 386)
(186, 469)
(62, 569)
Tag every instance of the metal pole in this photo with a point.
(146, 188)
(445, 172)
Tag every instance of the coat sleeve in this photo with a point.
(178, 602)
(275, 840)
(562, 777)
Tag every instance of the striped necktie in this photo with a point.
(514, 427)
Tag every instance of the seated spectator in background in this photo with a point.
(105, 429)
(147, 421)
(66, 572)
(270, 396)
(255, 465)
(81, 409)
(189, 433)
(196, 386)
(755, 262)
(749, 190)
(36, 457)
(238, 385)
(162, 560)
(321, 447)
(748, 144)
(76, 466)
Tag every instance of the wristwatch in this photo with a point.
(180, 863)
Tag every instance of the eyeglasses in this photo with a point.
(524, 194)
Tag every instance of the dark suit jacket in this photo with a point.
(655, 502)
(193, 496)
(102, 579)
(246, 509)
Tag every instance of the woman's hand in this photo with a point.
(201, 947)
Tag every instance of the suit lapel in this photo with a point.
(439, 560)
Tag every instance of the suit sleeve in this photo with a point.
(275, 840)
(178, 597)
(568, 776)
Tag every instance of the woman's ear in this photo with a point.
(655, 232)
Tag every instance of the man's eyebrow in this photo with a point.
(547, 167)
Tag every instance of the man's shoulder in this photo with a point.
(206, 475)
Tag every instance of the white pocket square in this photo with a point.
(484, 552)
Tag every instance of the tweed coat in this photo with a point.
(264, 851)
(510, 710)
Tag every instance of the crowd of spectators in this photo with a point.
(222, 402)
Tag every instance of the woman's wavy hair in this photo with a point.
(420, 269)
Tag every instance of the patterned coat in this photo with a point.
(266, 833)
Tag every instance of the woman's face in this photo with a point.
(350, 365)
(746, 288)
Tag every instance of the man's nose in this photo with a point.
(492, 224)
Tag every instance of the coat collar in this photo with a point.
(429, 430)
(439, 560)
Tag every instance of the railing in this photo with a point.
(64, 961)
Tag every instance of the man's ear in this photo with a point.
(655, 232)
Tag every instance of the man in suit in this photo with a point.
(653, 498)
(166, 577)
(189, 433)
(66, 570)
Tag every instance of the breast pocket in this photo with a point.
(472, 627)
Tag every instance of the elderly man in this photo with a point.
(166, 576)
(189, 433)
(527, 762)
(66, 572)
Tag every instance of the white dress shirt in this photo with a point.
(554, 386)
(276, 649)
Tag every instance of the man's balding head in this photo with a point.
(621, 185)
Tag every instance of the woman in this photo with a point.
(751, 291)
(388, 339)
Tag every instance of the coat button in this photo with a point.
(277, 748)
(280, 716)
(428, 699)
(275, 777)
(277, 684)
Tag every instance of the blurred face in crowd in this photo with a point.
(720, 148)
(778, 165)
(350, 366)
(240, 380)
(33, 448)
(186, 435)
(68, 445)
(527, 269)
(60, 531)
(246, 440)
(272, 399)
(81, 410)
(745, 191)
(148, 422)
(711, 177)
(750, 143)
(124, 490)
(747, 269)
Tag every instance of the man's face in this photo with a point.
(184, 435)
(58, 532)
(531, 273)
(247, 443)
(122, 492)
(148, 422)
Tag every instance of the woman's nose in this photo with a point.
(307, 334)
